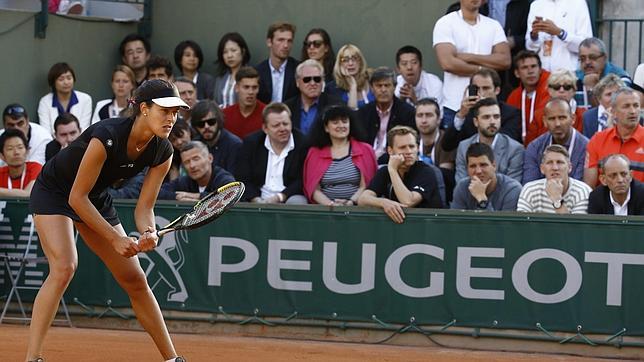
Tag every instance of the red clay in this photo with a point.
(80, 344)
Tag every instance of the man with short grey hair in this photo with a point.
(309, 79)
(386, 112)
(594, 65)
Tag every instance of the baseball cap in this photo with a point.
(161, 93)
(15, 111)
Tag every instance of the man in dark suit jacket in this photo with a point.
(306, 106)
(620, 193)
(488, 84)
(386, 112)
(279, 146)
(279, 67)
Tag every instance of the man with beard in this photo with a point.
(620, 194)
(208, 121)
(245, 116)
(405, 181)
(413, 83)
(557, 117)
(277, 73)
(309, 78)
(594, 65)
(484, 188)
(135, 53)
(485, 83)
(557, 192)
(508, 153)
(202, 179)
(271, 160)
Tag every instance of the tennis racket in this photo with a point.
(207, 209)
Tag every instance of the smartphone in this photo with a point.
(538, 18)
(472, 90)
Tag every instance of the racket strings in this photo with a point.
(213, 206)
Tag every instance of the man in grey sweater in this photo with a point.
(485, 189)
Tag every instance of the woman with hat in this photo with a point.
(70, 192)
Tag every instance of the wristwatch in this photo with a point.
(557, 204)
(482, 204)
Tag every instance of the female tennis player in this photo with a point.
(71, 191)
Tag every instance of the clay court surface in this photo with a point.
(82, 344)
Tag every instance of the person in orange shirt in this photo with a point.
(532, 92)
(18, 176)
(627, 137)
(561, 84)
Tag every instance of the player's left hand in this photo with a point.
(148, 240)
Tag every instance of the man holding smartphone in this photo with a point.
(485, 83)
(555, 30)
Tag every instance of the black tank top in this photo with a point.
(59, 173)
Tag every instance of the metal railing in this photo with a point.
(623, 38)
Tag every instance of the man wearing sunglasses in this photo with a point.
(15, 116)
(309, 79)
(208, 121)
(593, 66)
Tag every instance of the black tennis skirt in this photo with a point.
(52, 202)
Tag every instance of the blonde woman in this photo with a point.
(123, 83)
(351, 77)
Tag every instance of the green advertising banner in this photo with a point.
(350, 264)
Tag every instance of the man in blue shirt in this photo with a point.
(309, 79)
(594, 66)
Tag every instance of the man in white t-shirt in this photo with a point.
(466, 41)
(555, 30)
(413, 83)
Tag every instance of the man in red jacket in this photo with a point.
(532, 92)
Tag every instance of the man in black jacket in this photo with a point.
(271, 160)
(620, 194)
(386, 112)
(311, 101)
(203, 177)
(488, 85)
(277, 73)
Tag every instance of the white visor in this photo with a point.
(170, 102)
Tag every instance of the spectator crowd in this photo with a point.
(529, 115)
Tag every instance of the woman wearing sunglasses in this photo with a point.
(232, 54)
(110, 150)
(338, 167)
(561, 84)
(351, 80)
(317, 46)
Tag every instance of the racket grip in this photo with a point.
(162, 232)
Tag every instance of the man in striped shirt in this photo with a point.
(557, 192)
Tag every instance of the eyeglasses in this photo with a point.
(590, 57)
(313, 43)
(566, 87)
(14, 110)
(316, 79)
(353, 58)
(202, 123)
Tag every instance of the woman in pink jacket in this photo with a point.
(338, 167)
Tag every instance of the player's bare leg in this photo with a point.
(130, 276)
(56, 235)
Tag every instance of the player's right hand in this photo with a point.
(126, 246)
